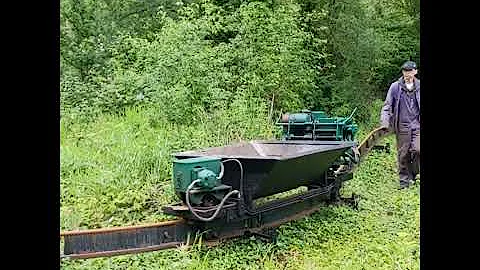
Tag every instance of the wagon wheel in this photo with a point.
(269, 235)
(335, 192)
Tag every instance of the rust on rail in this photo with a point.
(371, 139)
(123, 251)
(124, 228)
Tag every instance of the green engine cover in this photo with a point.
(316, 125)
(208, 178)
(299, 118)
(185, 171)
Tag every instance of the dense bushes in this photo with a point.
(366, 42)
(198, 56)
(200, 62)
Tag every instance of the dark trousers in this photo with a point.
(408, 147)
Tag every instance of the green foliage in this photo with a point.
(95, 40)
(194, 56)
(366, 42)
(397, 36)
(204, 60)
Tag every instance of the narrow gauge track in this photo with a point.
(99, 240)
(146, 235)
(83, 244)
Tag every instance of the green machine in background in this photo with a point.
(316, 125)
(198, 180)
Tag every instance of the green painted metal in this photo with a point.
(185, 171)
(208, 179)
(207, 170)
(300, 117)
(317, 125)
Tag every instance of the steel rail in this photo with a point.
(187, 242)
(120, 251)
(81, 244)
(365, 147)
(119, 229)
(371, 140)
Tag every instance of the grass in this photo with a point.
(116, 171)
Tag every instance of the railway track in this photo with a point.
(108, 242)
(83, 244)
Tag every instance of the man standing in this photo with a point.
(401, 115)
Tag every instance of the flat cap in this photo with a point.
(409, 65)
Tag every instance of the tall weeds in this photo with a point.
(116, 170)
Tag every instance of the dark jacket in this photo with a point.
(389, 114)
